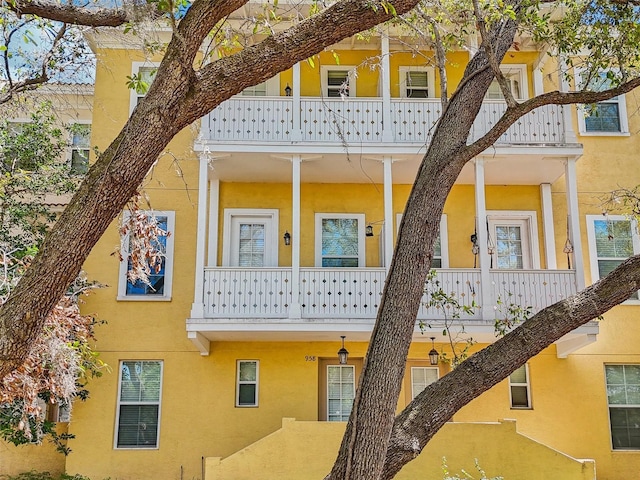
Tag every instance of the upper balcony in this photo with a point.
(363, 122)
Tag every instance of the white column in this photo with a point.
(388, 211)
(547, 227)
(197, 308)
(538, 88)
(294, 309)
(295, 107)
(574, 220)
(214, 222)
(387, 135)
(481, 218)
(570, 134)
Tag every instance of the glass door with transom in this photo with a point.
(509, 244)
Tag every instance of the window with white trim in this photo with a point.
(341, 390)
(516, 76)
(608, 117)
(144, 73)
(612, 239)
(519, 388)
(421, 378)
(623, 398)
(340, 240)
(441, 248)
(513, 239)
(80, 138)
(269, 88)
(139, 393)
(160, 277)
(247, 383)
(338, 81)
(250, 237)
(417, 82)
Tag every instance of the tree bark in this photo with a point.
(179, 96)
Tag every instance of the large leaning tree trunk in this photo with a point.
(179, 96)
(375, 446)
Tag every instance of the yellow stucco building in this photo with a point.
(283, 206)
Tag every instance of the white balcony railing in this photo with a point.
(363, 120)
(356, 293)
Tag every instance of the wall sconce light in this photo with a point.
(343, 354)
(287, 238)
(287, 90)
(369, 230)
(433, 354)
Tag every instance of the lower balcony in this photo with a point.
(260, 303)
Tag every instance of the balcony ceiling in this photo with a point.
(500, 169)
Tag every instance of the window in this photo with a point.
(519, 389)
(516, 76)
(145, 73)
(341, 390)
(250, 237)
(623, 397)
(247, 384)
(612, 239)
(80, 137)
(339, 240)
(270, 87)
(513, 240)
(338, 82)
(139, 393)
(159, 287)
(416, 82)
(441, 248)
(421, 377)
(603, 118)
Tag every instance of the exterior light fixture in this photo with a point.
(343, 354)
(369, 230)
(433, 354)
(287, 238)
(287, 90)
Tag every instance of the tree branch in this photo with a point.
(550, 98)
(69, 13)
(432, 408)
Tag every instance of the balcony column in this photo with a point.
(388, 211)
(547, 227)
(295, 310)
(569, 132)
(197, 308)
(486, 289)
(296, 134)
(387, 134)
(214, 222)
(574, 220)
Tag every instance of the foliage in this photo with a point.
(464, 475)
(33, 475)
(452, 309)
(509, 315)
(33, 168)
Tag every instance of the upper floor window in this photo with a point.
(519, 388)
(612, 239)
(623, 398)
(340, 240)
(138, 414)
(513, 239)
(250, 237)
(417, 82)
(516, 76)
(144, 73)
(160, 276)
(440, 257)
(421, 378)
(268, 88)
(338, 81)
(606, 117)
(80, 137)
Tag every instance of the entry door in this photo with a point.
(250, 242)
(511, 240)
(337, 389)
